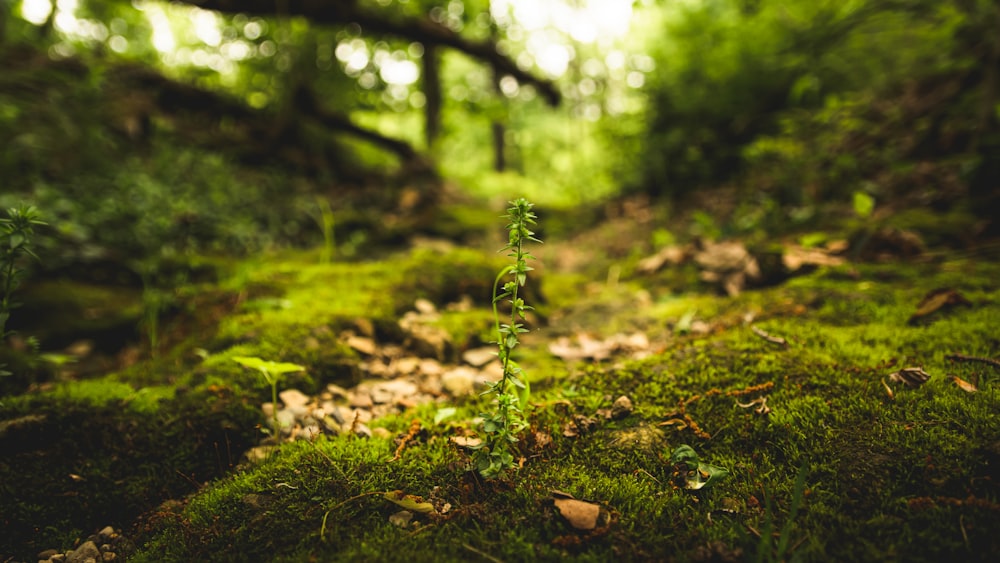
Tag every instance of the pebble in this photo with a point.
(88, 551)
(621, 408)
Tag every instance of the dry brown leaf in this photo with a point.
(796, 257)
(938, 299)
(466, 441)
(669, 255)
(912, 377)
(964, 385)
(581, 515)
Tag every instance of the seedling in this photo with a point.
(272, 372)
(16, 232)
(501, 427)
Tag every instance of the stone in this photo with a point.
(405, 365)
(401, 518)
(362, 344)
(430, 367)
(107, 533)
(292, 398)
(361, 430)
(109, 556)
(479, 357)
(286, 419)
(459, 381)
(621, 408)
(86, 552)
(361, 399)
(336, 390)
(424, 307)
(428, 341)
(47, 553)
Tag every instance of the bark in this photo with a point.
(432, 91)
(226, 123)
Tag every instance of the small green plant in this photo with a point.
(767, 548)
(16, 232)
(501, 427)
(272, 372)
(326, 223)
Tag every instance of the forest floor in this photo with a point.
(829, 397)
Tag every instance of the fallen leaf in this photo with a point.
(443, 414)
(670, 255)
(964, 385)
(694, 473)
(727, 263)
(795, 257)
(466, 441)
(409, 502)
(581, 515)
(912, 377)
(936, 300)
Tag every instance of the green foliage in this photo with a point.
(730, 71)
(501, 427)
(16, 233)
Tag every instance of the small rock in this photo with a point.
(47, 553)
(401, 518)
(292, 398)
(361, 430)
(286, 419)
(361, 400)
(107, 533)
(109, 556)
(430, 367)
(479, 357)
(381, 433)
(581, 515)
(337, 390)
(362, 344)
(428, 341)
(86, 552)
(459, 381)
(621, 408)
(365, 327)
(406, 365)
(424, 307)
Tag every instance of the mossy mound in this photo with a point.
(890, 472)
(91, 454)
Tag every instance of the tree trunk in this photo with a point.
(432, 91)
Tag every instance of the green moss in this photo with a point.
(108, 453)
(885, 478)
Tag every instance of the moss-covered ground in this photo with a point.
(888, 472)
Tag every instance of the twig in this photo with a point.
(964, 358)
(410, 435)
(482, 554)
(772, 339)
(322, 529)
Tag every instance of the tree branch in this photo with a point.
(423, 30)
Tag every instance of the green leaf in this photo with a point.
(444, 414)
(267, 366)
(697, 475)
(864, 204)
(409, 502)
